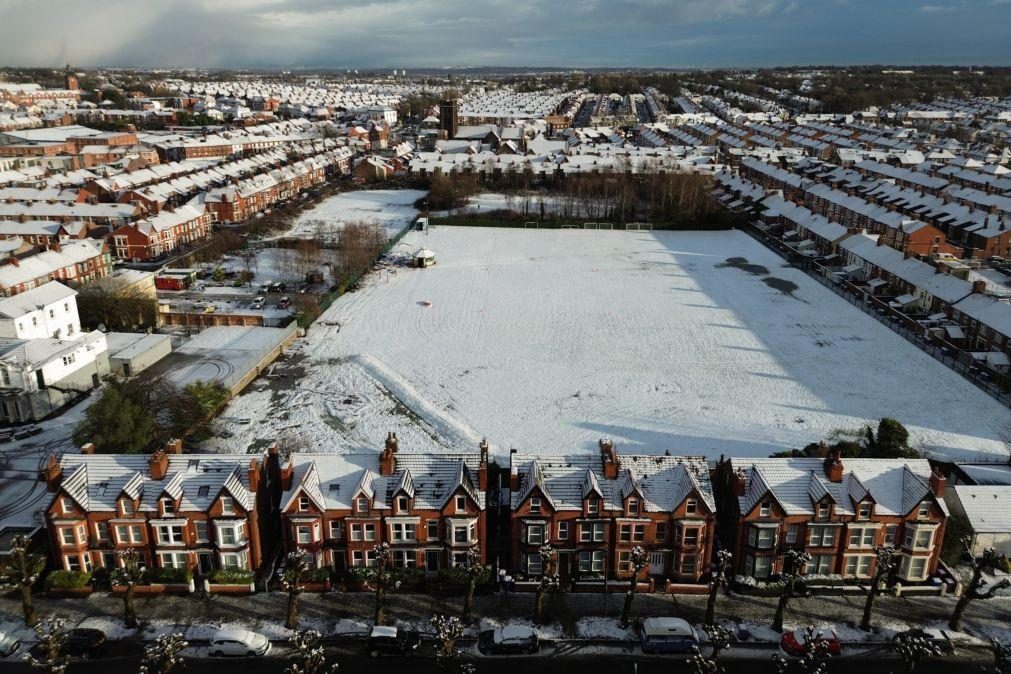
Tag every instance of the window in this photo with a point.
(172, 560)
(67, 536)
(625, 533)
(302, 534)
(639, 533)
(129, 533)
(624, 561)
(592, 505)
(535, 534)
(102, 532)
(923, 538)
(759, 567)
(535, 506)
(563, 531)
(168, 506)
(69, 359)
(233, 560)
(201, 528)
(688, 564)
(820, 564)
(463, 533)
(858, 566)
(369, 531)
(661, 532)
(864, 512)
(791, 533)
(534, 567)
(126, 506)
(405, 559)
(66, 505)
(361, 504)
(303, 504)
(170, 534)
(461, 504)
(402, 504)
(401, 532)
(227, 505)
(691, 506)
(917, 568)
(433, 529)
(591, 561)
(691, 536)
(824, 511)
(335, 530)
(821, 537)
(766, 509)
(762, 537)
(633, 506)
(591, 532)
(861, 537)
(924, 510)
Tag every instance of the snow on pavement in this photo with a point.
(547, 340)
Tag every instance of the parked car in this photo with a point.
(935, 637)
(258, 302)
(393, 641)
(238, 642)
(9, 644)
(793, 642)
(667, 635)
(510, 639)
(82, 642)
(284, 302)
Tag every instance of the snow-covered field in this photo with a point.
(547, 340)
(391, 208)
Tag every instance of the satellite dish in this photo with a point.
(101, 327)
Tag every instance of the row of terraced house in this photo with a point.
(207, 512)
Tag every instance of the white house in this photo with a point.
(46, 361)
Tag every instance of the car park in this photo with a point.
(508, 640)
(795, 642)
(392, 641)
(937, 638)
(667, 635)
(236, 642)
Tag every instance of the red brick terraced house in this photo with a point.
(429, 507)
(162, 233)
(195, 511)
(836, 510)
(594, 509)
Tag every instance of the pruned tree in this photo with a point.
(447, 630)
(1001, 656)
(128, 574)
(474, 571)
(793, 564)
(309, 656)
(637, 561)
(812, 661)
(295, 567)
(21, 573)
(912, 649)
(383, 579)
(52, 637)
(985, 564)
(549, 580)
(164, 655)
(719, 637)
(885, 560)
(718, 582)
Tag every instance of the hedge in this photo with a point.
(458, 576)
(168, 576)
(67, 579)
(231, 577)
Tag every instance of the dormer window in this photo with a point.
(592, 505)
(227, 505)
(168, 506)
(824, 510)
(461, 504)
(361, 504)
(66, 505)
(303, 504)
(691, 506)
(924, 510)
(535, 505)
(864, 511)
(126, 506)
(633, 506)
(766, 509)
(402, 504)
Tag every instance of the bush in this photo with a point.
(168, 576)
(408, 577)
(231, 577)
(319, 575)
(67, 579)
(458, 576)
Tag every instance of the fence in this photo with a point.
(990, 381)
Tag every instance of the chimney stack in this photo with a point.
(738, 482)
(482, 469)
(979, 286)
(387, 458)
(174, 446)
(158, 464)
(254, 476)
(52, 474)
(514, 472)
(937, 483)
(834, 466)
(88, 448)
(608, 459)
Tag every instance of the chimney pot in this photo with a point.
(88, 448)
(52, 474)
(174, 446)
(937, 483)
(158, 464)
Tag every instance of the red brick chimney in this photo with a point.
(979, 286)
(52, 474)
(287, 475)
(608, 459)
(514, 472)
(482, 469)
(158, 463)
(174, 446)
(387, 457)
(834, 466)
(937, 483)
(88, 448)
(254, 476)
(738, 482)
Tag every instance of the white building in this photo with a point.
(45, 359)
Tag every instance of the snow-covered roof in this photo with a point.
(988, 508)
(31, 300)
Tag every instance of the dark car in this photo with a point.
(510, 639)
(936, 638)
(81, 643)
(392, 641)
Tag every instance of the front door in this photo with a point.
(657, 563)
(564, 566)
(432, 560)
(205, 562)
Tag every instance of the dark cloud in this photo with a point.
(433, 33)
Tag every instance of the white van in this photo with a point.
(667, 635)
(238, 642)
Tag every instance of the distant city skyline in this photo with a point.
(521, 33)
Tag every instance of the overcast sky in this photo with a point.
(434, 33)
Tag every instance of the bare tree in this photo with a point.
(974, 590)
(793, 564)
(886, 560)
(637, 561)
(1001, 656)
(813, 659)
(52, 637)
(383, 579)
(474, 571)
(309, 656)
(718, 582)
(295, 567)
(549, 580)
(21, 573)
(912, 649)
(719, 638)
(447, 630)
(164, 655)
(128, 574)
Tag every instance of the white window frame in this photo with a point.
(563, 531)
